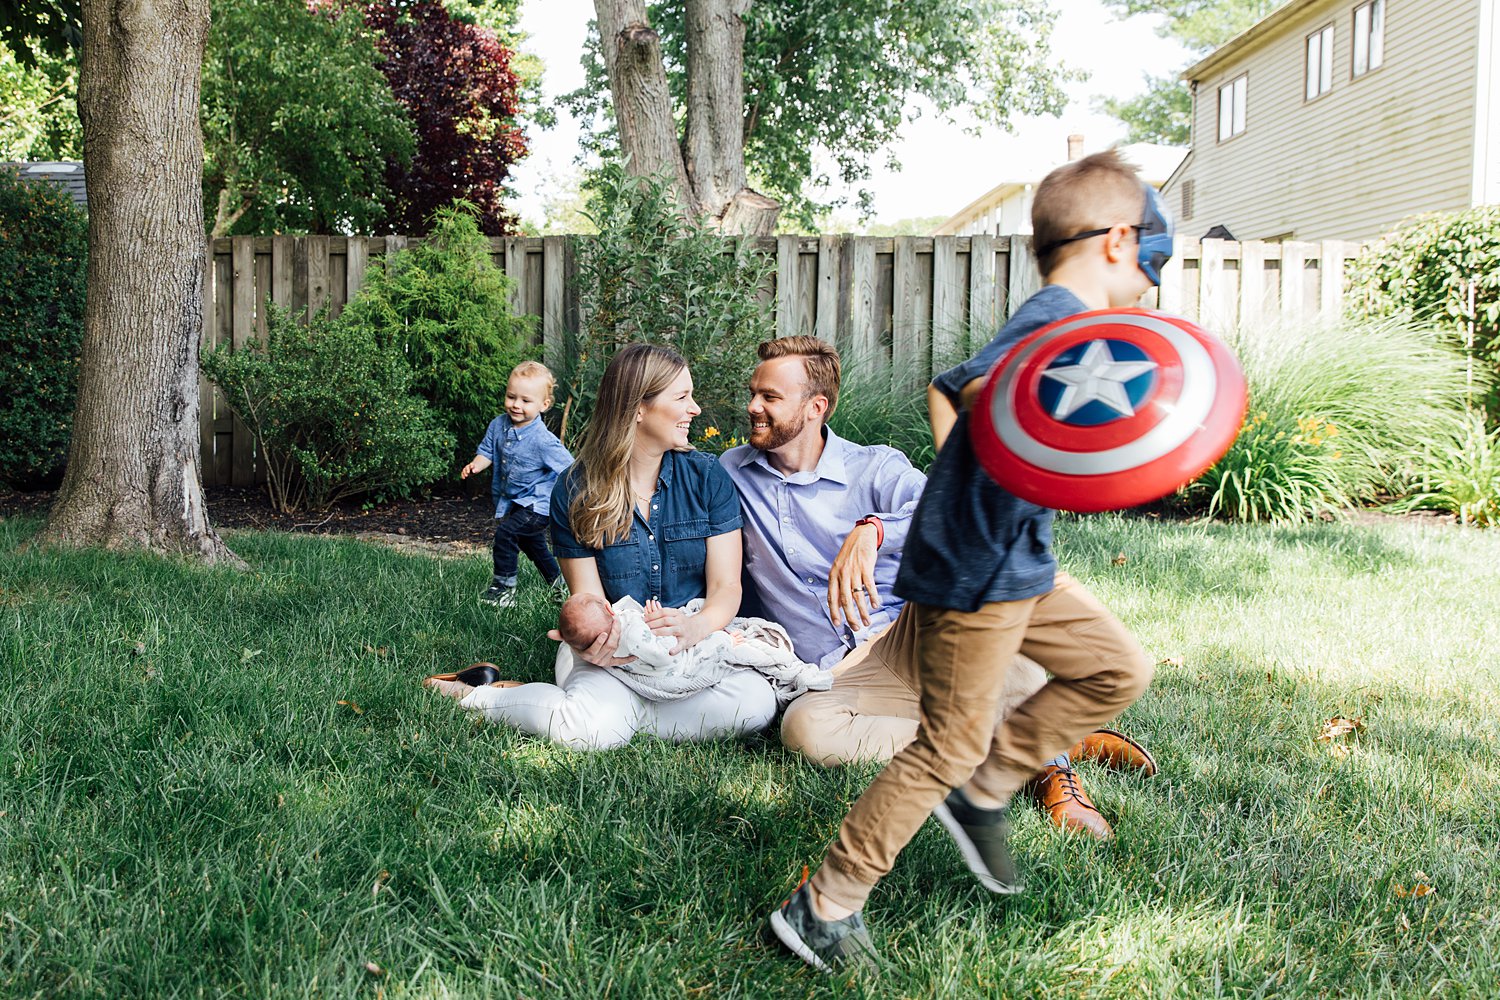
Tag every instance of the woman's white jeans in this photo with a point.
(588, 709)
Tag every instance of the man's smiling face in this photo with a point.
(779, 407)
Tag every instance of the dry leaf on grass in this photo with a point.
(1171, 661)
(374, 969)
(353, 705)
(381, 651)
(1417, 891)
(1120, 559)
(1338, 750)
(1338, 726)
(380, 881)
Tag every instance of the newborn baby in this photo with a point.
(584, 617)
(661, 675)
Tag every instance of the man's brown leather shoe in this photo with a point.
(1115, 750)
(1058, 791)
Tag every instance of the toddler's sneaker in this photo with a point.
(981, 836)
(827, 945)
(498, 596)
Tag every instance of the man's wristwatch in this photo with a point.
(879, 528)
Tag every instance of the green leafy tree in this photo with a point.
(446, 306)
(1164, 112)
(39, 108)
(652, 276)
(719, 94)
(33, 28)
(298, 120)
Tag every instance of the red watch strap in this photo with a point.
(879, 528)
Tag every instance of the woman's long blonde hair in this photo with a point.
(603, 506)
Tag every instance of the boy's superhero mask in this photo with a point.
(1153, 237)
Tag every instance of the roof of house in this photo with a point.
(1155, 161)
(67, 175)
(1247, 38)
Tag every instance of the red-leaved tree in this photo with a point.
(456, 82)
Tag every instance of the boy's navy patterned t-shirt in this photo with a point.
(972, 542)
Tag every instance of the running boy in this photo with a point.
(527, 458)
(981, 585)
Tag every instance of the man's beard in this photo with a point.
(776, 435)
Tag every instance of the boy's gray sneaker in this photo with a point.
(827, 945)
(498, 596)
(981, 836)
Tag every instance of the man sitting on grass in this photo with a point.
(825, 521)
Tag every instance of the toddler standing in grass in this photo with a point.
(527, 458)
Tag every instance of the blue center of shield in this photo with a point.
(1097, 382)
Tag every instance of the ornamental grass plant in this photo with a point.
(1340, 415)
(1459, 473)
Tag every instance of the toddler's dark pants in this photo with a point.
(522, 530)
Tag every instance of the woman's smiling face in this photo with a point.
(666, 422)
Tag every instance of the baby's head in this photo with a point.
(583, 618)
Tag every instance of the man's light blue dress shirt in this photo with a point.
(795, 525)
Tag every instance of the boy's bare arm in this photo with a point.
(941, 413)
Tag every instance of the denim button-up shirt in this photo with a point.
(526, 461)
(665, 555)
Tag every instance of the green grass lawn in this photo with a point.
(218, 783)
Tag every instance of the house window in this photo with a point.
(1232, 106)
(1187, 199)
(1369, 36)
(1320, 62)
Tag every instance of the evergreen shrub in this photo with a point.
(333, 412)
(445, 307)
(651, 276)
(43, 257)
(1441, 270)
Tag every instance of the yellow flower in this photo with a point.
(710, 432)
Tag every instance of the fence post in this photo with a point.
(1212, 311)
(909, 326)
(1252, 283)
(208, 396)
(242, 320)
(830, 254)
(554, 302)
(1293, 275)
(864, 333)
(358, 258)
(1024, 277)
(787, 292)
(1331, 280)
(948, 336)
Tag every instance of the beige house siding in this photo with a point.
(1353, 162)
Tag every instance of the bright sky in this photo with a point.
(943, 169)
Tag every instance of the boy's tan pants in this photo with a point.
(961, 659)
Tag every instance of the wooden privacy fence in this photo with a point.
(904, 306)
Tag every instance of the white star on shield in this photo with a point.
(1096, 377)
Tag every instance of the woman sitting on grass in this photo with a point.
(640, 514)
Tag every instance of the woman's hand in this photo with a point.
(685, 628)
(602, 652)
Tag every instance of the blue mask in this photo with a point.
(1153, 237)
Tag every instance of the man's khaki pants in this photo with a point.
(961, 662)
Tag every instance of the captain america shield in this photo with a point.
(1108, 409)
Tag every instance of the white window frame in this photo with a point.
(1369, 38)
(1233, 99)
(1319, 63)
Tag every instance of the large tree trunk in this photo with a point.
(709, 162)
(133, 465)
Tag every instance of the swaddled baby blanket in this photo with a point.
(761, 645)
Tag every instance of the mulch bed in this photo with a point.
(449, 514)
